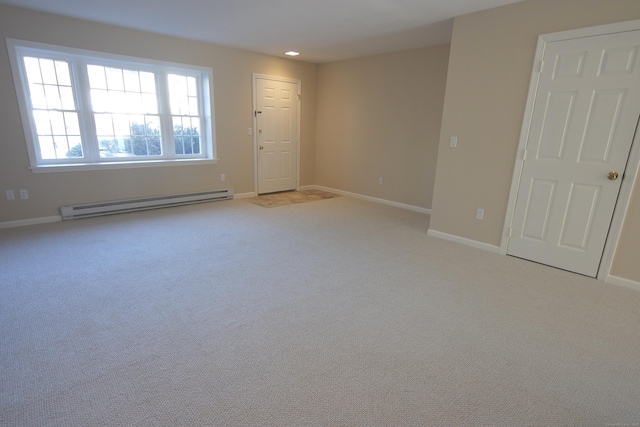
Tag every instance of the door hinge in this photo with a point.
(255, 113)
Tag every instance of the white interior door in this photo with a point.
(584, 118)
(277, 106)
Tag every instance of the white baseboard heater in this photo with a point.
(121, 206)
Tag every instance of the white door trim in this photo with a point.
(620, 213)
(255, 77)
(633, 165)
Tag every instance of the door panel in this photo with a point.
(277, 124)
(556, 120)
(539, 209)
(269, 165)
(584, 118)
(583, 201)
(602, 121)
(286, 165)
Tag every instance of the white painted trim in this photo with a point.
(77, 60)
(524, 133)
(369, 198)
(245, 195)
(621, 281)
(254, 78)
(120, 165)
(633, 164)
(620, 213)
(598, 30)
(464, 241)
(31, 221)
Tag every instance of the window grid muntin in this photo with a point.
(117, 96)
(117, 141)
(53, 108)
(186, 108)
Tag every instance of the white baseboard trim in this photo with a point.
(464, 241)
(244, 195)
(31, 221)
(368, 198)
(621, 281)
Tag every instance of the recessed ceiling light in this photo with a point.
(292, 53)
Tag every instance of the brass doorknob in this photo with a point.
(613, 175)
(260, 147)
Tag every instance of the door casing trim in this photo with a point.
(633, 162)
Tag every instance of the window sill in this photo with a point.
(76, 167)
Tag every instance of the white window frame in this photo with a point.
(78, 60)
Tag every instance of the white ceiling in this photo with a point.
(321, 30)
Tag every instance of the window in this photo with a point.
(87, 110)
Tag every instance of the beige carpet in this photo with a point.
(340, 313)
(290, 197)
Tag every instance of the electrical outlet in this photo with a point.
(453, 142)
(223, 177)
(24, 194)
(380, 180)
(480, 214)
(10, 195)
(250, 131)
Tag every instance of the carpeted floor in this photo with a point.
(340, 313)
(289, 197)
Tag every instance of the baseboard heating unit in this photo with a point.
(121, 206)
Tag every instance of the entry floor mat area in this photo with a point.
(290, 197)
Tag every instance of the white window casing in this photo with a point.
(85, 110)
